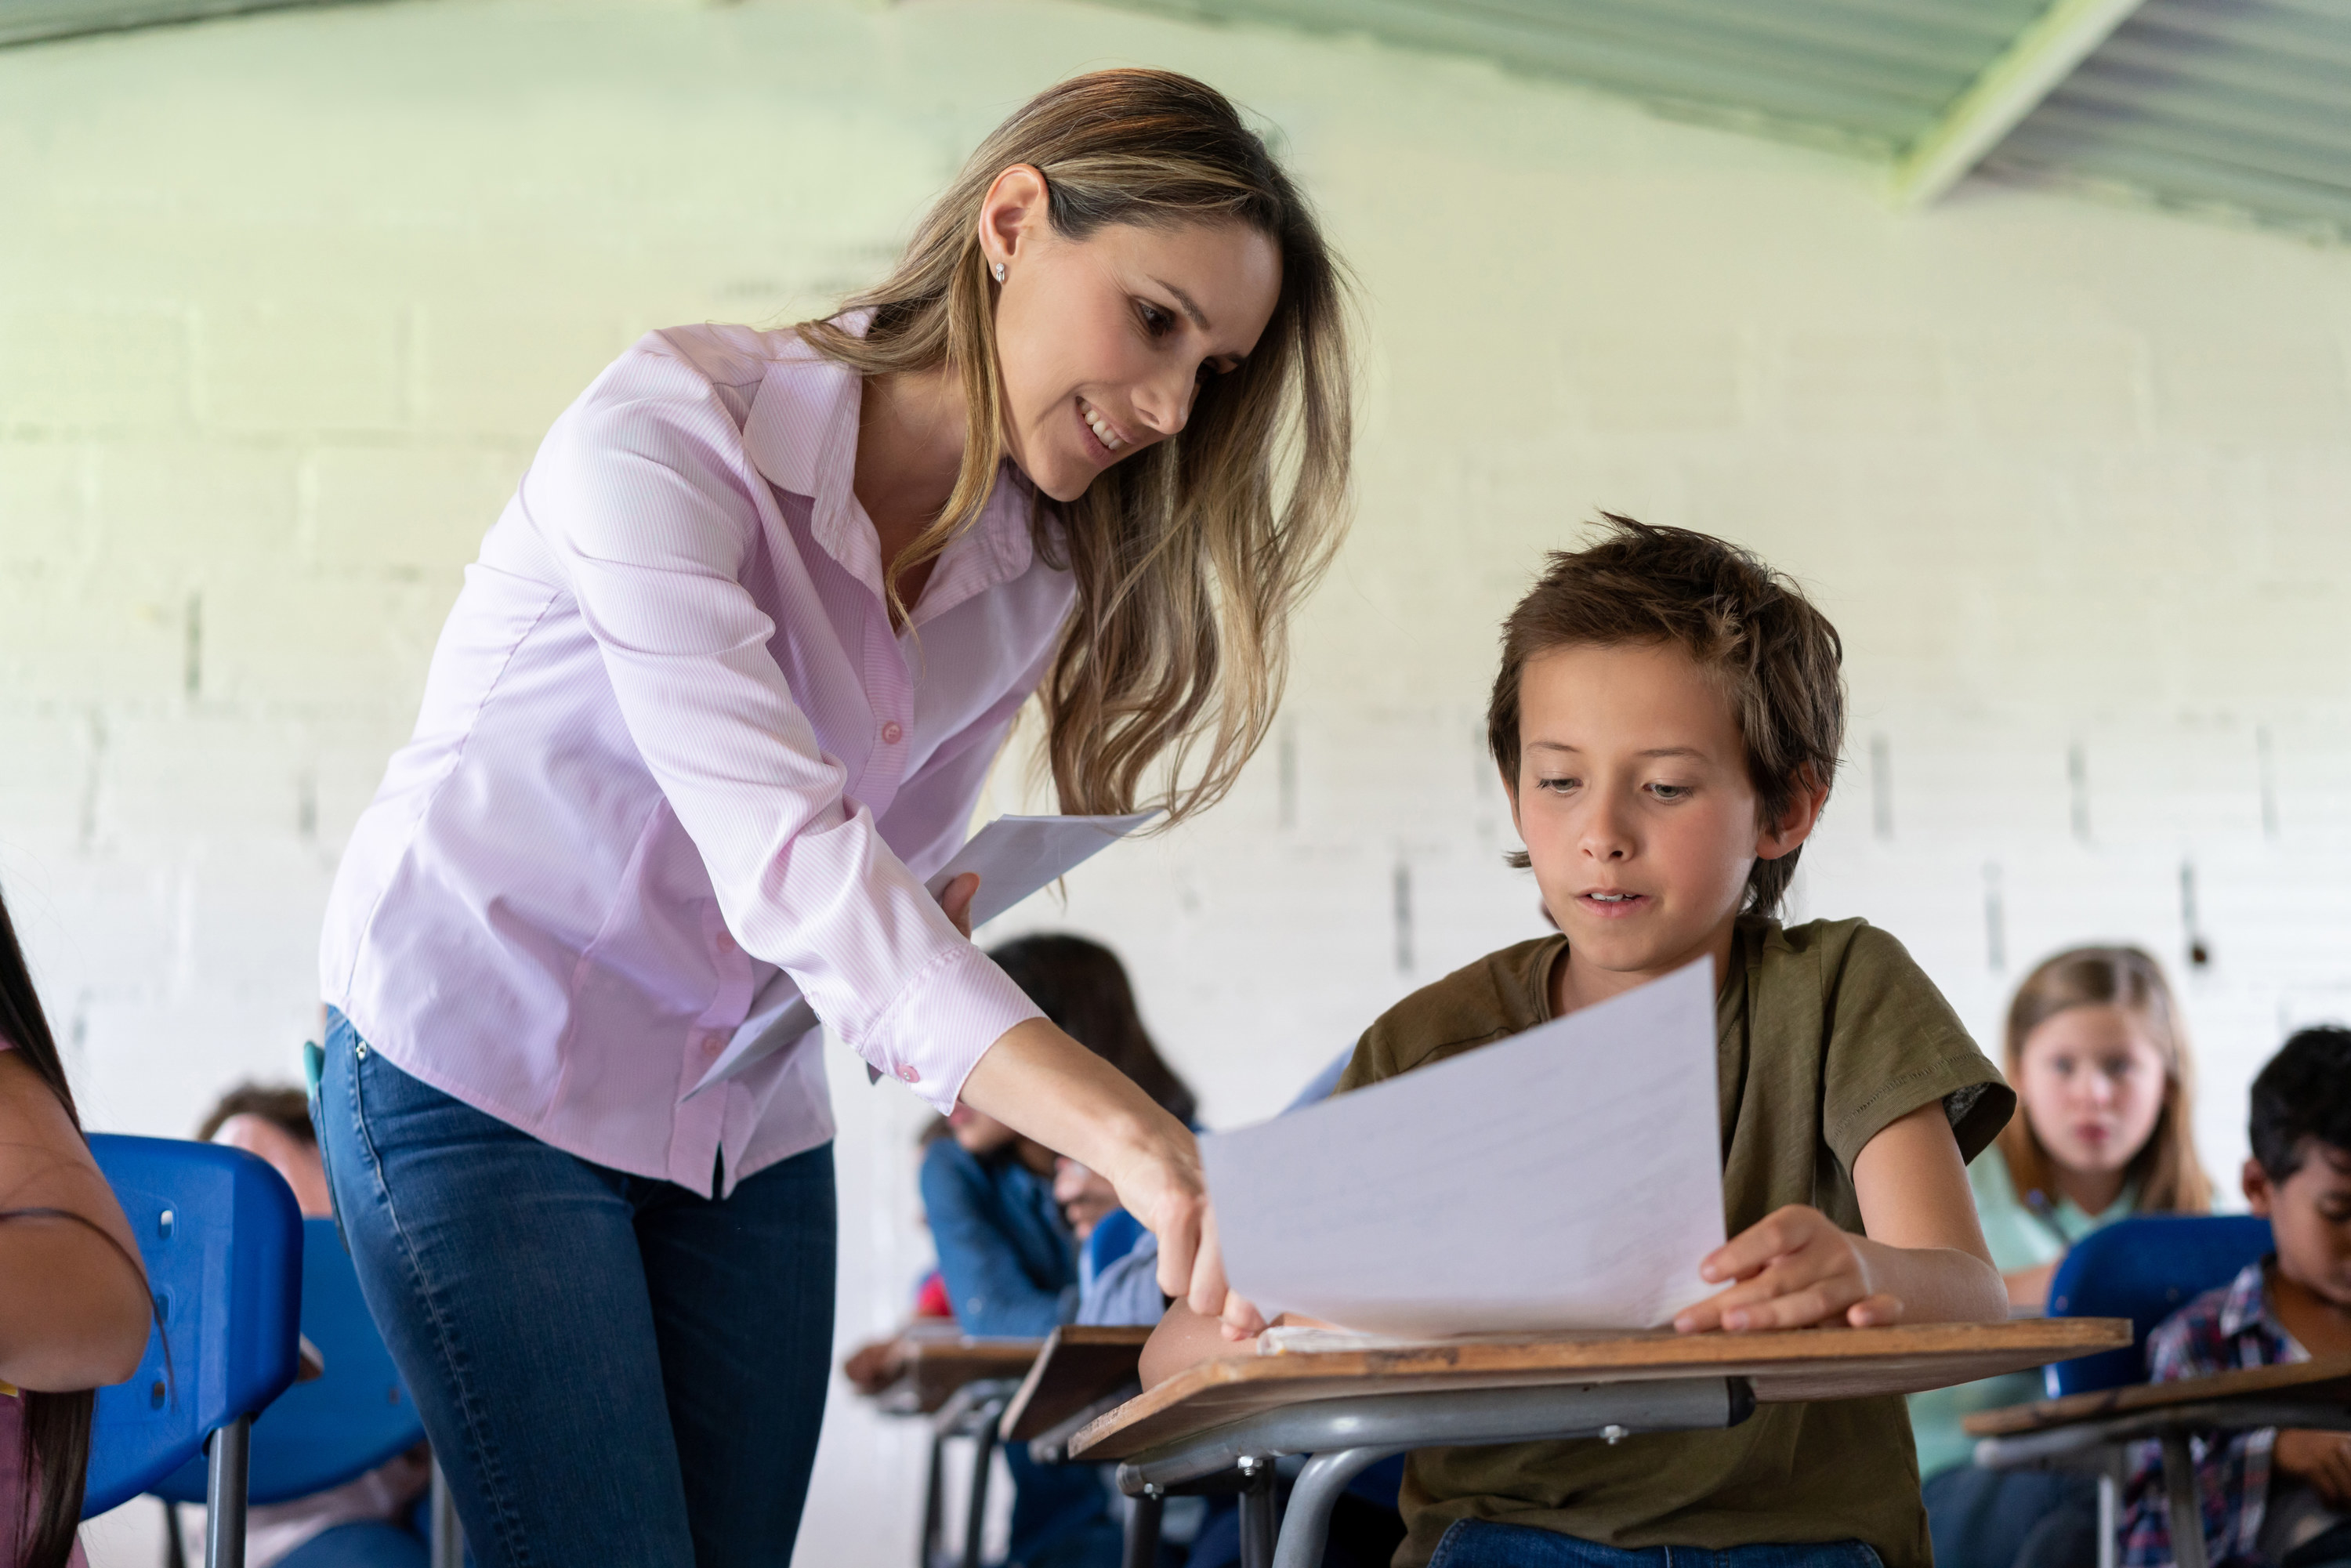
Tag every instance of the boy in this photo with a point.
(2271, 1497)
(1666, 721)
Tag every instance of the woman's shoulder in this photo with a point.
(726, 355)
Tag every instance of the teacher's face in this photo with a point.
(1105, 342)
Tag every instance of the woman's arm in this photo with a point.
(73, 1309)
(1922, 1260)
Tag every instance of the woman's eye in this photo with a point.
(1155, 321)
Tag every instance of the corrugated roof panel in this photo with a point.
(2237, 104)
(1874, 72)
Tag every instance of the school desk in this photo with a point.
(1345, 1409)
(962, 1384)
(2088, 1430)
(1081, 1366)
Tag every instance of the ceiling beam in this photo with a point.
(2035, 61)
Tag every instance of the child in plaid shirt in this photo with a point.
(2278, 1498)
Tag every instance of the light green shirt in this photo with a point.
(2019, 1239)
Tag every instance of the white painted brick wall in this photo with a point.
(285, 302)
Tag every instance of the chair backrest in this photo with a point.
(340, 1425)
(2145, 1269)
(223, 1243)
(1111, 1239)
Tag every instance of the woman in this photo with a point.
(73, 1295)
(721, 690)
(2098, 1056)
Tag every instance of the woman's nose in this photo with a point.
(1166, 405)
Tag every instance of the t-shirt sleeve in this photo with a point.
(1894, 1044)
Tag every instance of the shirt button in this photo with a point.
(712, 1044)
(892, 733)
(725, 940)
(908, 1075)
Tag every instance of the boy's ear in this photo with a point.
(2258, 1190)
(1805, 804)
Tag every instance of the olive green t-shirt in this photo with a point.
(1826, 1033)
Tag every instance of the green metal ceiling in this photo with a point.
(2242, 105)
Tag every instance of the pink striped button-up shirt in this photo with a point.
(671, 746)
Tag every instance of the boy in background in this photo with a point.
(1667, 721)
(2270, 1496)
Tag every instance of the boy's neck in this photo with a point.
(1575, 985)
(2319, 1325)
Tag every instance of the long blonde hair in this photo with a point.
(1189, 556)
(2167, 1176)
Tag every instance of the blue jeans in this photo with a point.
(611, 1368)
(1477, 1544)
(2010, 1518)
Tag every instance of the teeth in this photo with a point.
(1102, 431)
(1610, 897)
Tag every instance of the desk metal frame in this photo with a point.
(1344, 1436)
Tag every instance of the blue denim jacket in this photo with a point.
(1010, 1266)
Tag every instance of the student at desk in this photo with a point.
(1667, 721)
(2281, 1499)
(2098, 1055)
(1006, 1249)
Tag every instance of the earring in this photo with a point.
(998, 270)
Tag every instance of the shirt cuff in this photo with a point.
(936, 1029)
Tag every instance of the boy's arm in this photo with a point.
(1923, 1258)
(1181, 1341)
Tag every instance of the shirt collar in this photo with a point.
(802, 434)
(2247, 1304)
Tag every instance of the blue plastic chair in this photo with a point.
(222, 1240)
(2144, 1269)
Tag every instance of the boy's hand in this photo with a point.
(1793, 1268)
(2320, 1459)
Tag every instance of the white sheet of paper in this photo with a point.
(1015, 856)
(1569, 1177)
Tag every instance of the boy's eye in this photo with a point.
(1556, 786)
(1670, 791)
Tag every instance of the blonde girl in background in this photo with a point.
(2098, 1056)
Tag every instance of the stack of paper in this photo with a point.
(1567, 1178)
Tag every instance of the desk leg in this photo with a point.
(2184, 1502)
(1142, 1530)
(1260, 1520)
(227, 1451)
(1306, 1523)
(2109, 1519)
(983, 1449)
(926, 1550)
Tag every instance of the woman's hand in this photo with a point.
(1794, 1266)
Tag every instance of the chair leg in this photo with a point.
(1142, 1530)
(2109, 1519)
(1306, 1523)
(1260, 1521)
(448, 1543)
(227, 1450)
(175, 1550)
(2184, 1502)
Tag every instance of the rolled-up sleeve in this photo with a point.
(644, 497)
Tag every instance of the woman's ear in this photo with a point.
(1011, 214)
(1806, 801)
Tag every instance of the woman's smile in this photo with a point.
(1105, 441)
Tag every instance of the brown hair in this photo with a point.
(1751, 629)
(2167, 1176)
(281, 1105)
(1189, 556)
(57, 1425)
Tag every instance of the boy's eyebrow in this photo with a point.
(1694, 753)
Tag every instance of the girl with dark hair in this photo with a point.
(73, 1297)
(1006, 1249)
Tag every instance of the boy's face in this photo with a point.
(1634, 800)
(2310, 1215)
